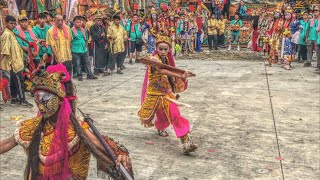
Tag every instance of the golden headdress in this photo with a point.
(153, 11)
(98, 14)
(23, 15)
(279, 7)
(171, 13)
(162, 38)
(50, 82)
(289, 9)
(89, 12)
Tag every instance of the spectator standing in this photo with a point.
(213, 27)
(312, 35)
(11, 63)
(236, 24)
(100, 54)
(79, 49)
(222, 28)
(226, 7)
(303, 38)
(117, 35)
(242, 9)
(135, 34)
(59, 38)
(41, 31)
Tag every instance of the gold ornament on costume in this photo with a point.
(289, 10)
(98, 14)
(163, 39)
(171, 13)
(50, 82)
(286, 32)
(23, 15)
(89, 12)
(153, 11)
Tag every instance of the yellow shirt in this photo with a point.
(222, 26)
(88, 26)
(213, 23)
(119, 35)
(13, 53)
(62, 45)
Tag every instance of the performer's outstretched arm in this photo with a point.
(7, 144)
(183, 76)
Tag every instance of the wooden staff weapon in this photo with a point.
(106, 146)
(160, 65)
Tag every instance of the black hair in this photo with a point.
(255, 22)
(77, 18)
(135, 15)
(116, 17)
(42, 16)
(10, 18)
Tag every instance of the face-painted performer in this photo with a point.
(286, 50)
(275, 38)
(159, 98)
(151, 28)
(57, 143)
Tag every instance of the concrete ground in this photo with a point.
(231, 121)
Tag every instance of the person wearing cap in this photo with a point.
(312, 35)
(11, 63)
(27, 34)
(100, 54)
(40, 30)
(117, 35)
(79, 49)
(59, 38)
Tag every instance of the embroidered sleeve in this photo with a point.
(119, 149)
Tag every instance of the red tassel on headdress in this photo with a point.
(164, 8)
(135, 6)
(191, 8)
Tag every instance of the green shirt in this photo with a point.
(79, 43)
(137, 31)
(23, 43)
(303, 32)
(313, 31)
(236, 22)
(41, 34)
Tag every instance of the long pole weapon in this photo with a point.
(106, 146)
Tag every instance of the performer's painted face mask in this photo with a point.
(47, 103)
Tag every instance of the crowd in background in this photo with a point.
(98, 43)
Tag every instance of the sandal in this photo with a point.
(163, 133)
